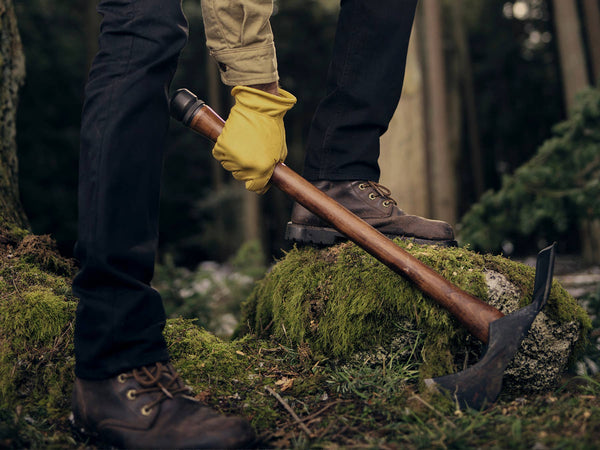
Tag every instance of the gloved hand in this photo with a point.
(253, 138)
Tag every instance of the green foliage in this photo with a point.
(549, 196)
(212, 290)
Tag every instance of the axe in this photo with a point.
(474, 387)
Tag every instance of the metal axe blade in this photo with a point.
(481, 383)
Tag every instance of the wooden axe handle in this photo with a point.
(474, 314)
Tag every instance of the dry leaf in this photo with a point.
(285, 383)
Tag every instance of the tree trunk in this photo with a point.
(12, 75)
(591, 13)
(590, 241)
(214, 99)
(403, 158)
(571, 49)
(250, 218)
(468, 88)
(575, 78)
(442, 171)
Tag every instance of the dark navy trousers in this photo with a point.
(363, 89)
(124, 125)
(120, 318)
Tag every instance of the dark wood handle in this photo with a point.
(474, 314)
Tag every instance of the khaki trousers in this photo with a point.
(239, 38)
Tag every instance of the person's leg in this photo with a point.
(363, 89)
(124, 124)
(125, 393)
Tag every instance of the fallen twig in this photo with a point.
(290, 410)
(321, 411)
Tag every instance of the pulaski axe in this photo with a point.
(474, 387)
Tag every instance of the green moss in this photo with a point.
(36, 361)
(14, 233)
(341, 300)
(204, 360)
(40, 251)
(36, 318)
(229, 376)
(36, 328)
(21, 276)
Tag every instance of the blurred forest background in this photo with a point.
(486, 83)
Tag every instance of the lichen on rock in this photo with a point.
(546, 349)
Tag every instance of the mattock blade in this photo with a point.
(481, 383)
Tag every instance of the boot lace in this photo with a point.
(159, 378)
(378, 191)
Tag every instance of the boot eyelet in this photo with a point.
(372, 196)
(145, 410)
(362, 186)
(121, 378)
(386, 204)
(131, 394)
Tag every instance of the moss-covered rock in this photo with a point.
(341, 302)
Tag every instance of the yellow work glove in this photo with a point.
(253, 138)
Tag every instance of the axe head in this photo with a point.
(481, 383)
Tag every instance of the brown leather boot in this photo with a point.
(150, 407)
(371, 202)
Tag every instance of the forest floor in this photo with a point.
(294, 399)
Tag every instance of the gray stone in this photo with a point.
(544, 352)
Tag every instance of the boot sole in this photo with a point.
(324, 236)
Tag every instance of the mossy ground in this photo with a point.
(351, 404)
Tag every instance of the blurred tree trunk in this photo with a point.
(214, 99)
(12, 75)
(575, 78)
(403, 158)
(571, 49)
(251, 217)
(591, 14)
(590, 240)
(442, 172)
(468, 91)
